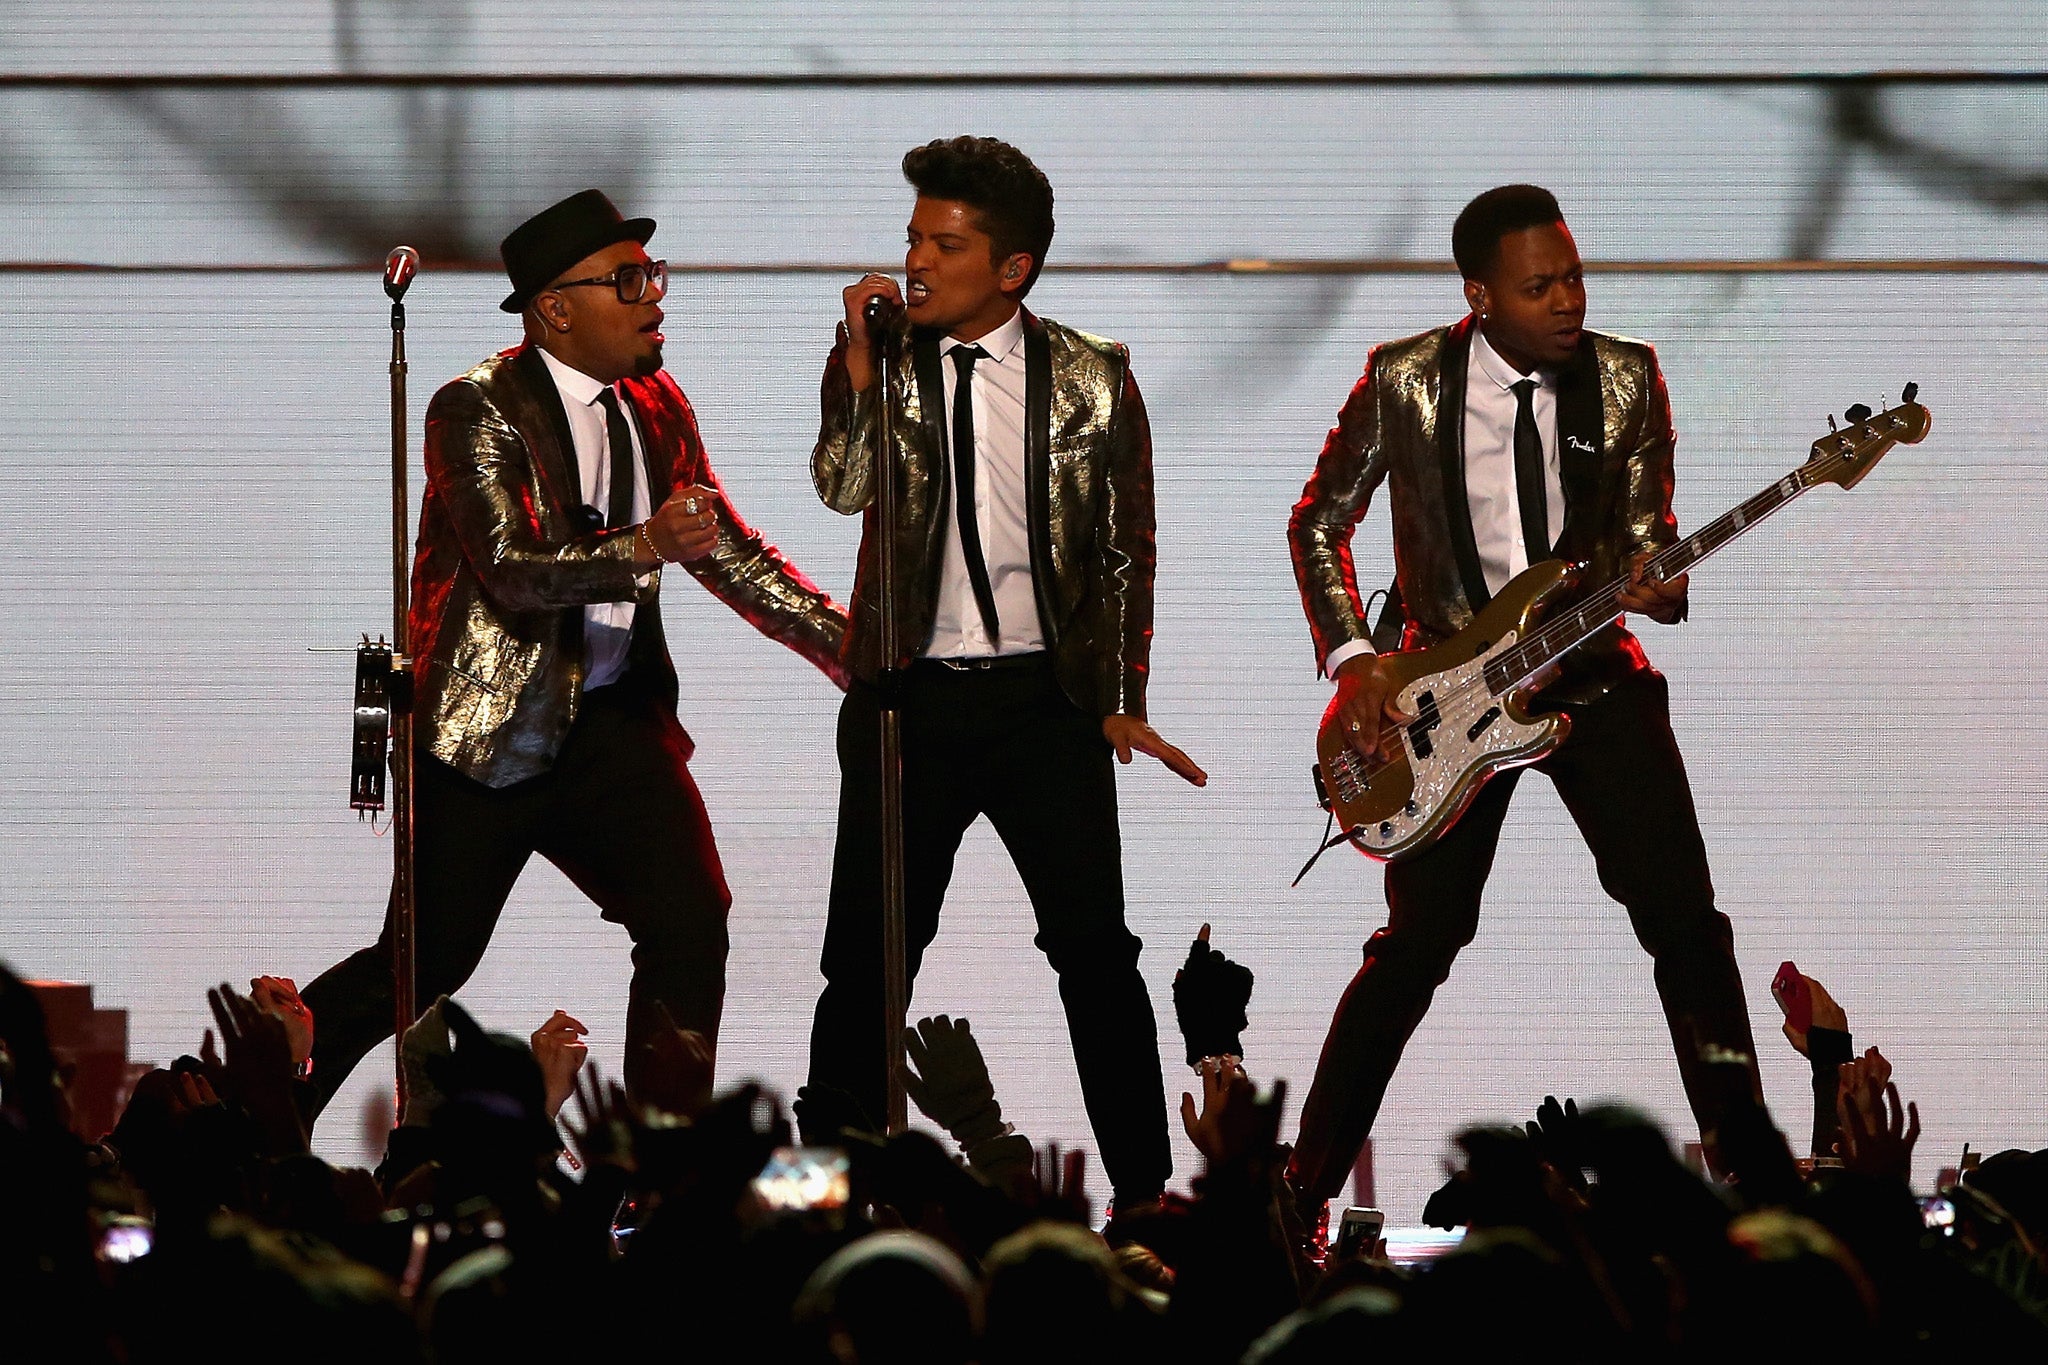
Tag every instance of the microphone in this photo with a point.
(881, 313)
(399, 267)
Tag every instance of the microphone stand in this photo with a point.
(882, 336)
(398, 273)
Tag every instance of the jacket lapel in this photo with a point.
(1450, 453)
(931, 409)
(1580, 436)
(549, 439)
(931, 400)
(1038, 465)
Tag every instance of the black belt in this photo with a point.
(989, 663)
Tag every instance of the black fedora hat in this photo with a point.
(554, 239)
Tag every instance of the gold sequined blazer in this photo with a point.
(1088, 492)
(506, 563)
(1403, 426)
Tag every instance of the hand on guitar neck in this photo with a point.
(1366, 705)
(1661, 601)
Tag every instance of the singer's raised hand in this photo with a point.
(860, 361)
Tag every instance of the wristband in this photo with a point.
(640, 534)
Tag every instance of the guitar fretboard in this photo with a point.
(1569, 629)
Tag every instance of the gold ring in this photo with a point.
(1354, 727)
(690, 505)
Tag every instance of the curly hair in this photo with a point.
(1475, 237)
(1011, 197)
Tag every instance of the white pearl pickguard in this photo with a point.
(1474, 736)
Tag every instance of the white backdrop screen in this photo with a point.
(196, 496)
(193, 496)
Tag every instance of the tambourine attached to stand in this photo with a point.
(374, 674)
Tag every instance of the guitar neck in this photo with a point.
(1565, 631)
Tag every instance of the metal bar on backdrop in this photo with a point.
(1708, 77)
(1235, 266)
(895, 962)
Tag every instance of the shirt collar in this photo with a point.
(1000, 344)
(574, 385)
(1498, 370)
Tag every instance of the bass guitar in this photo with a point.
(1470, 695)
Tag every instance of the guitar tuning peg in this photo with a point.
(1857, 413)
(1832, 428)
(1912, 392)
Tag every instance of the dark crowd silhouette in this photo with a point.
(677, 1223)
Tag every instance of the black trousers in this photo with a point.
(619, 814)
(1008, 744)
(1621, 777)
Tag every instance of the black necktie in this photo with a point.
(963, 485)
(621, 513)
(1529, 481)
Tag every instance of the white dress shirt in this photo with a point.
(607, 626)
(999, 507)
(1491, 494)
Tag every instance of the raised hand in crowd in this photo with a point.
(1210, 996)
(1228, 1122)
(946, 1076)
(1862, 1082)
(1557, 1133)
(603, 1134)
(1062, 1184)
(1237, 1271)
(1878, 1134)
(279, 995)
(426, 1040)
(257, 1066)
(1804, 995)
(559, 1048)
(1825, 1043)
(190, 1090)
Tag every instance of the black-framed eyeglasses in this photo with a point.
(632, 280)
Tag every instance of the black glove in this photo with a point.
(1210, 993)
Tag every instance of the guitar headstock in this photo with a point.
(1846, 454)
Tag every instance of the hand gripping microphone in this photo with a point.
(399, 267)
(880, 313)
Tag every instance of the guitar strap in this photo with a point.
(1393, 619)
